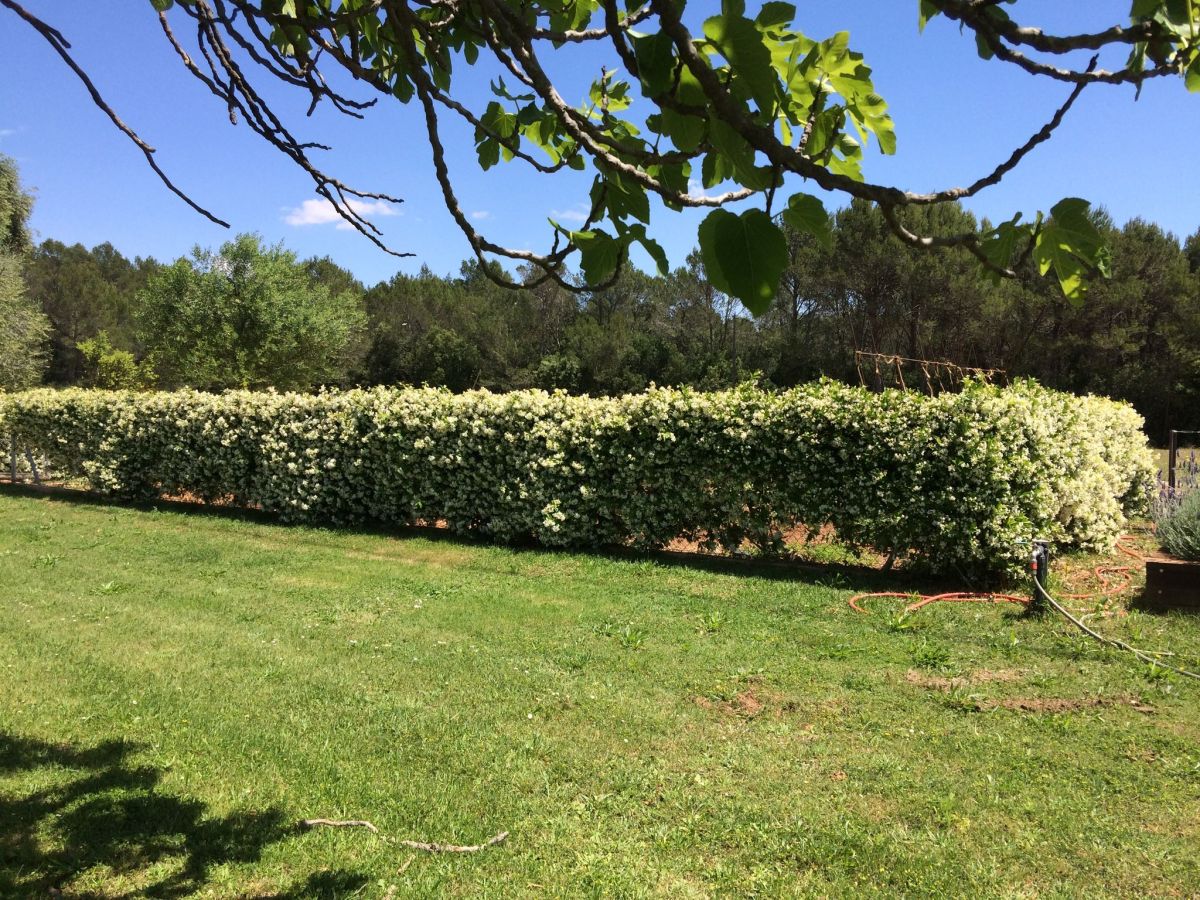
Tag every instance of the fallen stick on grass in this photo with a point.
(413, 845)
(454, 848)
(339, 823)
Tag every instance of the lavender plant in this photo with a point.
(1179, 531)
(1168, 497)
(1177, 511)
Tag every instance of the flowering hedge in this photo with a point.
(956, 480)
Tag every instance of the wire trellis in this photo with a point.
(878, 371)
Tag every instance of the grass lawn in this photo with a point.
(177, 690)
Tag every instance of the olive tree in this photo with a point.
(246, 315)
(23, 327)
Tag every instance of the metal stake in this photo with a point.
(1041, 574)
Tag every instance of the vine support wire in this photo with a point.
(930, 370)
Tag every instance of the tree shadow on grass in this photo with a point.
(96, 808)
(845, 576)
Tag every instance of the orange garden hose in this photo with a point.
(1113, 580)
(953, 597)
(1109, 586)
(1106, 574)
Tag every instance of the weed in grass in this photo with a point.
(929, 655)
(834, 581)
(826, 553)
(836, 651)
(574, 660)
(856, 681)
(1156, 673)
(111, 587)
(48, 560)
(714, 621)
(906, 621)
(607, 628)
(627, 634)
(631, 638)
(961, 701)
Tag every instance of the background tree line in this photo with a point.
(256, 316)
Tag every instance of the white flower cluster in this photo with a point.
(956, 480)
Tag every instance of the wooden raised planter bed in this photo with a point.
(1172, 584)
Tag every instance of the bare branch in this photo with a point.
(969, 241)
(998, 33)
(235, 90)
(455, 848)
(308, 78)
(60, 44)
(584, 134)
(339, 823)
(428, 847)
(479, 244)
(610, 29)
(1049, 43)
(1039, 137)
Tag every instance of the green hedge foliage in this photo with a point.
(957, 480)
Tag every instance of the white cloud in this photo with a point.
(578, 213)
(7, 132)
(696, 189)
(321, 212)
(480, 214)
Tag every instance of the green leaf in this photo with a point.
(651, 246)
(690, 91)
(656, 62)
(999, 244)
(775, 13)
(744, 256)
(500, 89)
(1191, 78)
(927, 10)
(624, 197)
(740, 158)
(685, 132)
(714, 169)
(885, 133)
(870, 112)
(806, 213)
(402, 89)
(1070, 245)
(499, 121)
(599, 254)
(489, 153)
(671, 175)
(749, 59)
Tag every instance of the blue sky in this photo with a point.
(956, 116)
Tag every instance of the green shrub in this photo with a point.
(113, 369)
(957, 480)
(1179, 528)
